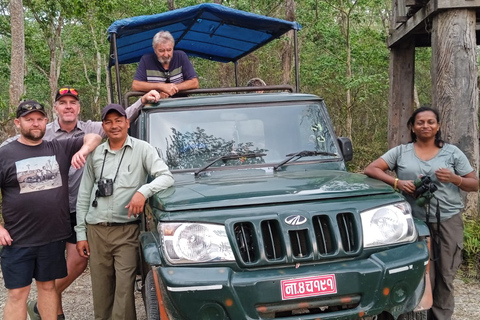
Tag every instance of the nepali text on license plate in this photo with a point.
(306, 287)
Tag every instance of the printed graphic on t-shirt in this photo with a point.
(39, 173)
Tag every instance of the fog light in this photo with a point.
(399, 292)
(212, 311)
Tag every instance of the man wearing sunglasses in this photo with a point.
(34, 185)
(166, 70)
(67, 126)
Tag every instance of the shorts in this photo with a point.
(73, 223)
(44, 263)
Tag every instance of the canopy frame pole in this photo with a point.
(236, 73)
(297, 66)
(117, 69)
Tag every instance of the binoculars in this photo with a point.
(424, 189)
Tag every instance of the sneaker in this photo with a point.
(31, 304)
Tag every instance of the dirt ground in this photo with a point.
(78, 299)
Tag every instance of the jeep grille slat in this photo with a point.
(324, 235)
(345, 225)
(244, 237)
(300, 244)
(271, 240)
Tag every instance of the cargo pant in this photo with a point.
(113, 268)
(447, 245)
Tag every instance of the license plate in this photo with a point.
(307, 287)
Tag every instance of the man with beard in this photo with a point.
(168, 71)
(36, 211)
(111, 197)
(68, 126)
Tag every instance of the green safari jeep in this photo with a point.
(265, 222)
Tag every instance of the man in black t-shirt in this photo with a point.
(34, 185)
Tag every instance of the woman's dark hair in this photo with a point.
(438, 136)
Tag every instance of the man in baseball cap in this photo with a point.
(67, 108)
(33, 236)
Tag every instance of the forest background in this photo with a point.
(343, 59)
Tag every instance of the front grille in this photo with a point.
(269, 241)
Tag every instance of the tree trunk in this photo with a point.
(287, 50)
(402, 69)
(17, 70)
(56, 57)
(455, 89)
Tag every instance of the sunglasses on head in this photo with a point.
(31, 106)
(68, 90)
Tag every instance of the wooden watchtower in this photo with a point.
(452, 29)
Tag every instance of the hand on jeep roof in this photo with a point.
(170, 88)
(151, 97)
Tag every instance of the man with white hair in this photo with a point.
(166, 70)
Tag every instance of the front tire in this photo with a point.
(151, 301)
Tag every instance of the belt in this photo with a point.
(116, 224)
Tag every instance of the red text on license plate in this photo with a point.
(307, 287)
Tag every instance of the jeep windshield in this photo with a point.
(194, 138)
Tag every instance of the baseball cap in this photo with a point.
(66, 91)
(29, 106)
(113, 107)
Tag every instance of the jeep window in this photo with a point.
(192, 139)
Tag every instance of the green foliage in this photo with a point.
(471, 249)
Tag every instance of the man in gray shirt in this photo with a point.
(67, 126)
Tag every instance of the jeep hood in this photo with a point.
(262, 187)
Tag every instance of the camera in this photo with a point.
(105, 188)
(424, 189)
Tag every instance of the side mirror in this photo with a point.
(346, 148)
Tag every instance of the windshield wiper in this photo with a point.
(230, 156)
(301, 154)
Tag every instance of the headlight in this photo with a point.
(195, 242)
(388, 225)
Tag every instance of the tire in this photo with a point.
(421, 315)
(151, 302)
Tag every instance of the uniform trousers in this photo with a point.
(113, 268)
(446, 248)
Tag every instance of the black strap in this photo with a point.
(119, 164)
(94, 202)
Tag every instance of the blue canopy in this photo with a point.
(210, 31)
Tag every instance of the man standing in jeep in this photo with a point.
(168, 71)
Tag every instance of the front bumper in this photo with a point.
(390, 280)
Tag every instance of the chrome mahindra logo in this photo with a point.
(295, 220)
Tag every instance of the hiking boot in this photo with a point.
(32, 314)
